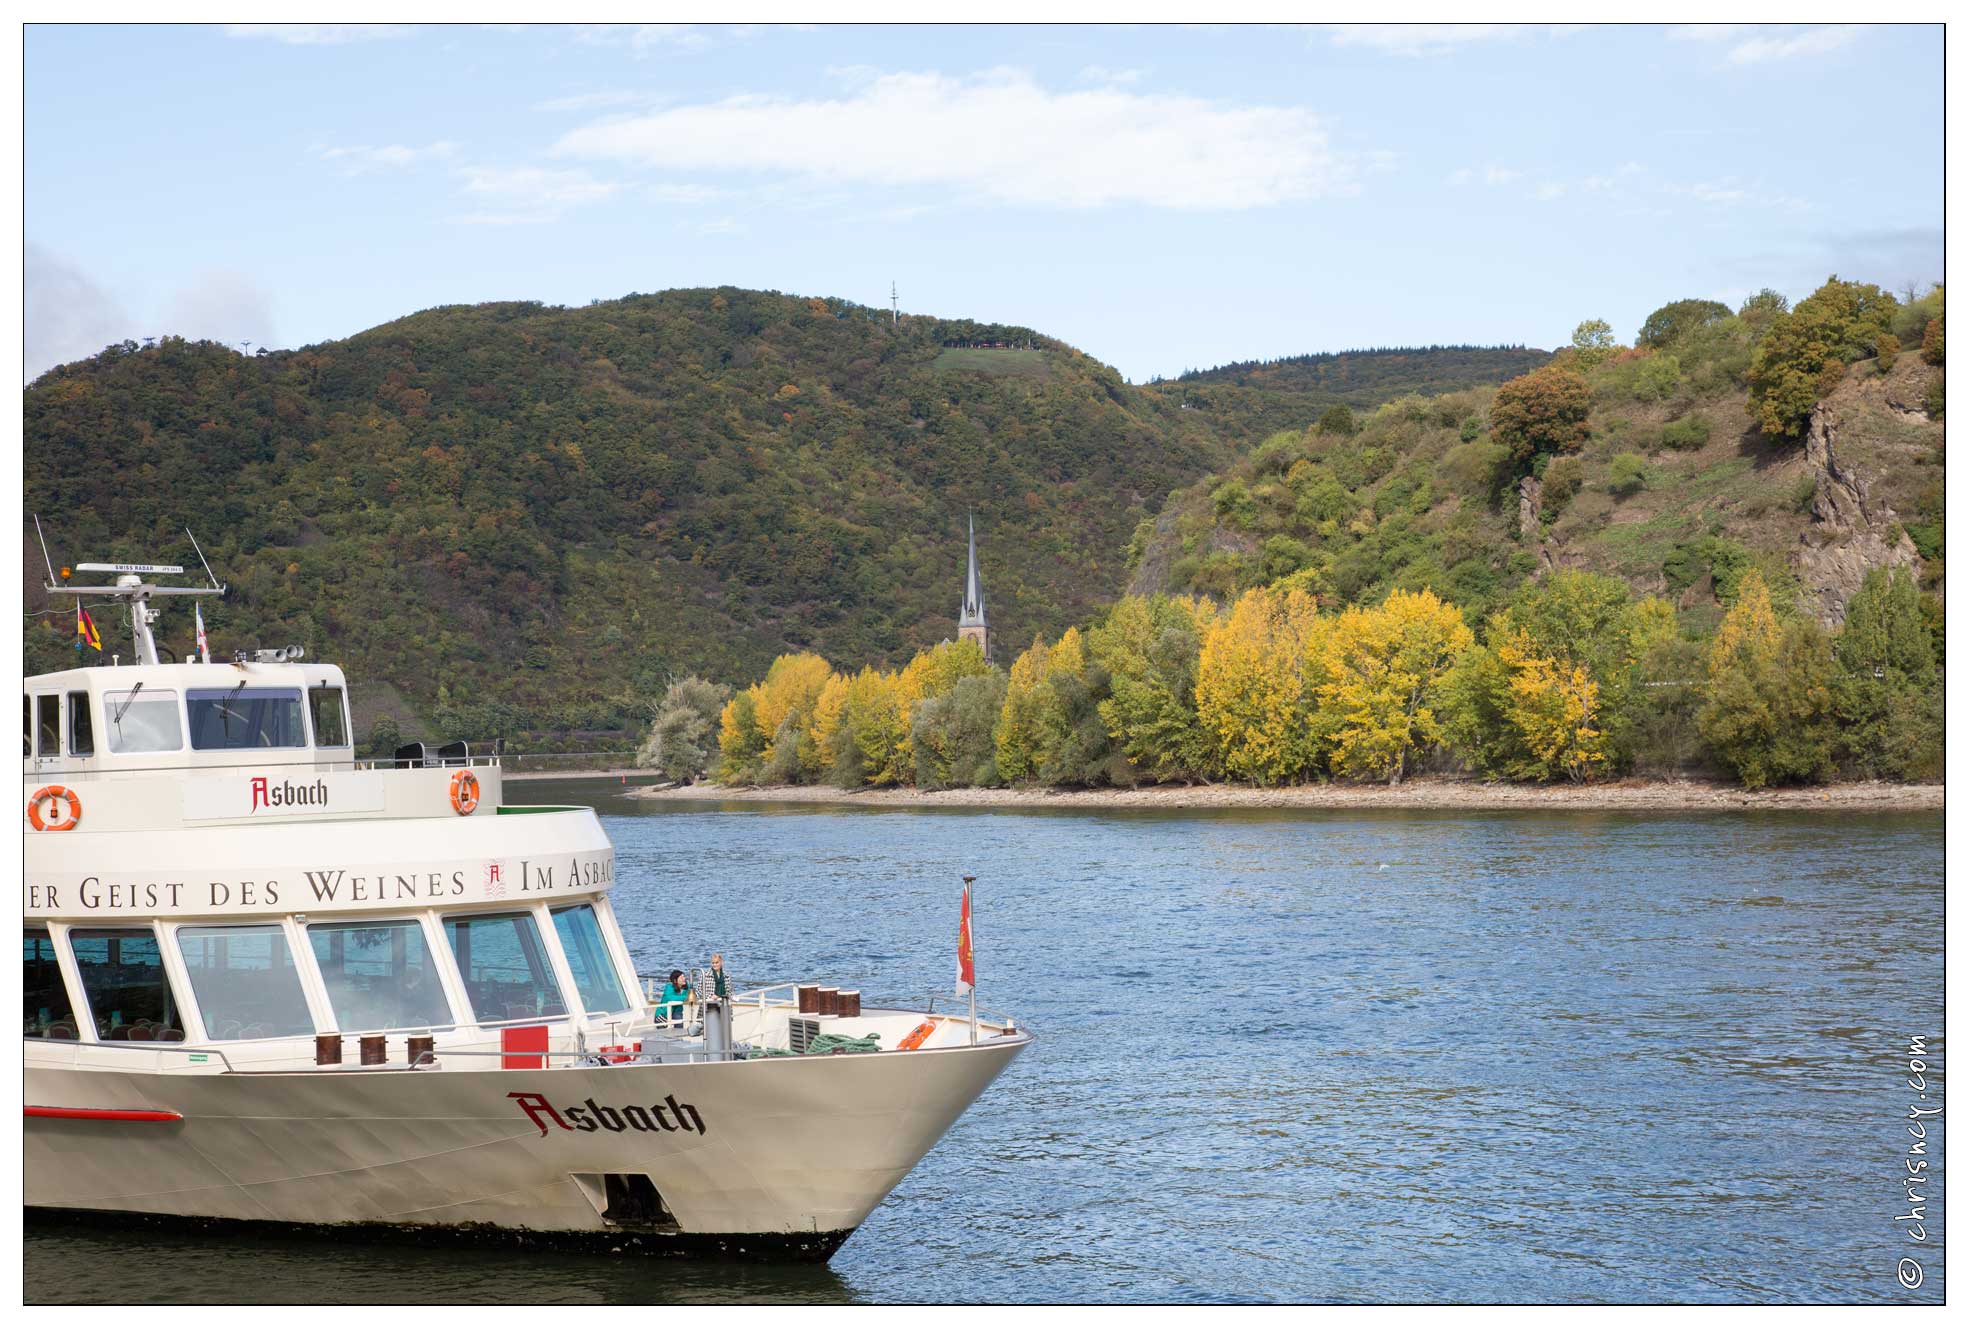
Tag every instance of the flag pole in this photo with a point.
(968, 941)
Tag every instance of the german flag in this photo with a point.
(85, 630)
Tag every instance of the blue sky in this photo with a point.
(1162, 197)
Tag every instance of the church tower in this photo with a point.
(971, 617)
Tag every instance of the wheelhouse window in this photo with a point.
(331, 729)
(587, 954)
(48, 724)
(81, 726)
(223, 719)
(245, 981)
(44, 999)
(143, 720)
(379, 975)
(506, 973)
(123, 980)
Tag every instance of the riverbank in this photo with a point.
(1629, 795)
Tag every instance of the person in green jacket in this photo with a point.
(670, 1006)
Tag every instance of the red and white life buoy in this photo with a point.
(464, 793)
(64, 808)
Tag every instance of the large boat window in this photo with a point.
(27, 726)
(143, 720)
(506, 973)
(123, 980)
(81, 726)
(48, 724)
(245, 981)
(330, 727)
(45, 997)
(379, 975)
(243, 717)
(588, 958)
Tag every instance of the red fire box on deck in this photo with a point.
(521, 1039)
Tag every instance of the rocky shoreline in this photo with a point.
(1624, 795)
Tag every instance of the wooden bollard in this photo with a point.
(421, 1045)
(375, 1050)
(830, 1001)
(849, 1002)
(328, 1049)
(809, 998)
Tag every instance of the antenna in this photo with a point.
(895, 310)
(201, 558)
(39, 535)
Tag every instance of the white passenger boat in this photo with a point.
(267, 982)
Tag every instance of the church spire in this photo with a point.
(971, 615)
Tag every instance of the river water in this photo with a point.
(1296, 1056)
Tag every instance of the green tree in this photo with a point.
(952, 734)
(1804, 352)
(1338, 421)
(1592, 342)
(1767, 711)
(1149, 647)
(683, 736)
(1677, 319)
(1888, 693)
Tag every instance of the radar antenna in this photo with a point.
(135, 586)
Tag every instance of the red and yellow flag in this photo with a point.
(966, 975)
(85, 629)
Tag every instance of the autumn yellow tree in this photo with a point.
(1768, 701)
(1014, 737)
(1252, 693)
(1554, 706)
(1385, 667)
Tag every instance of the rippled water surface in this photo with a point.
(1299, 1056)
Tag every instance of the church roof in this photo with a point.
(972, 614)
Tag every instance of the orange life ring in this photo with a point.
(914, 1038)
(464, 792)
(65, 808)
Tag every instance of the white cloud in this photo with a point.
(1756, 44)
(222, 306)
(1103, 74)
(520, 195)
(65, 316)
(1813, 41)
(998, 136)
(356, 160)
(1549, 191)
(719, 226)
(320, 34)
(1492, 175)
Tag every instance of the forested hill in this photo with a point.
(542, 509)
(1369, 377)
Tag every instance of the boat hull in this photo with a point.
(781, 1157)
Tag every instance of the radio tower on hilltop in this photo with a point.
(895, 310)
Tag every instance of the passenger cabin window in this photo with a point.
(379, 975)
(143, 720)
(81, 726)
(123, 980)
(45, 996)
(587, 956)
(506, 973)
(48, 725)
(223, 719)
(27, 726)
(245, 982)
(331, 729)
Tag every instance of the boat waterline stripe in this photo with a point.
(104, 1114)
